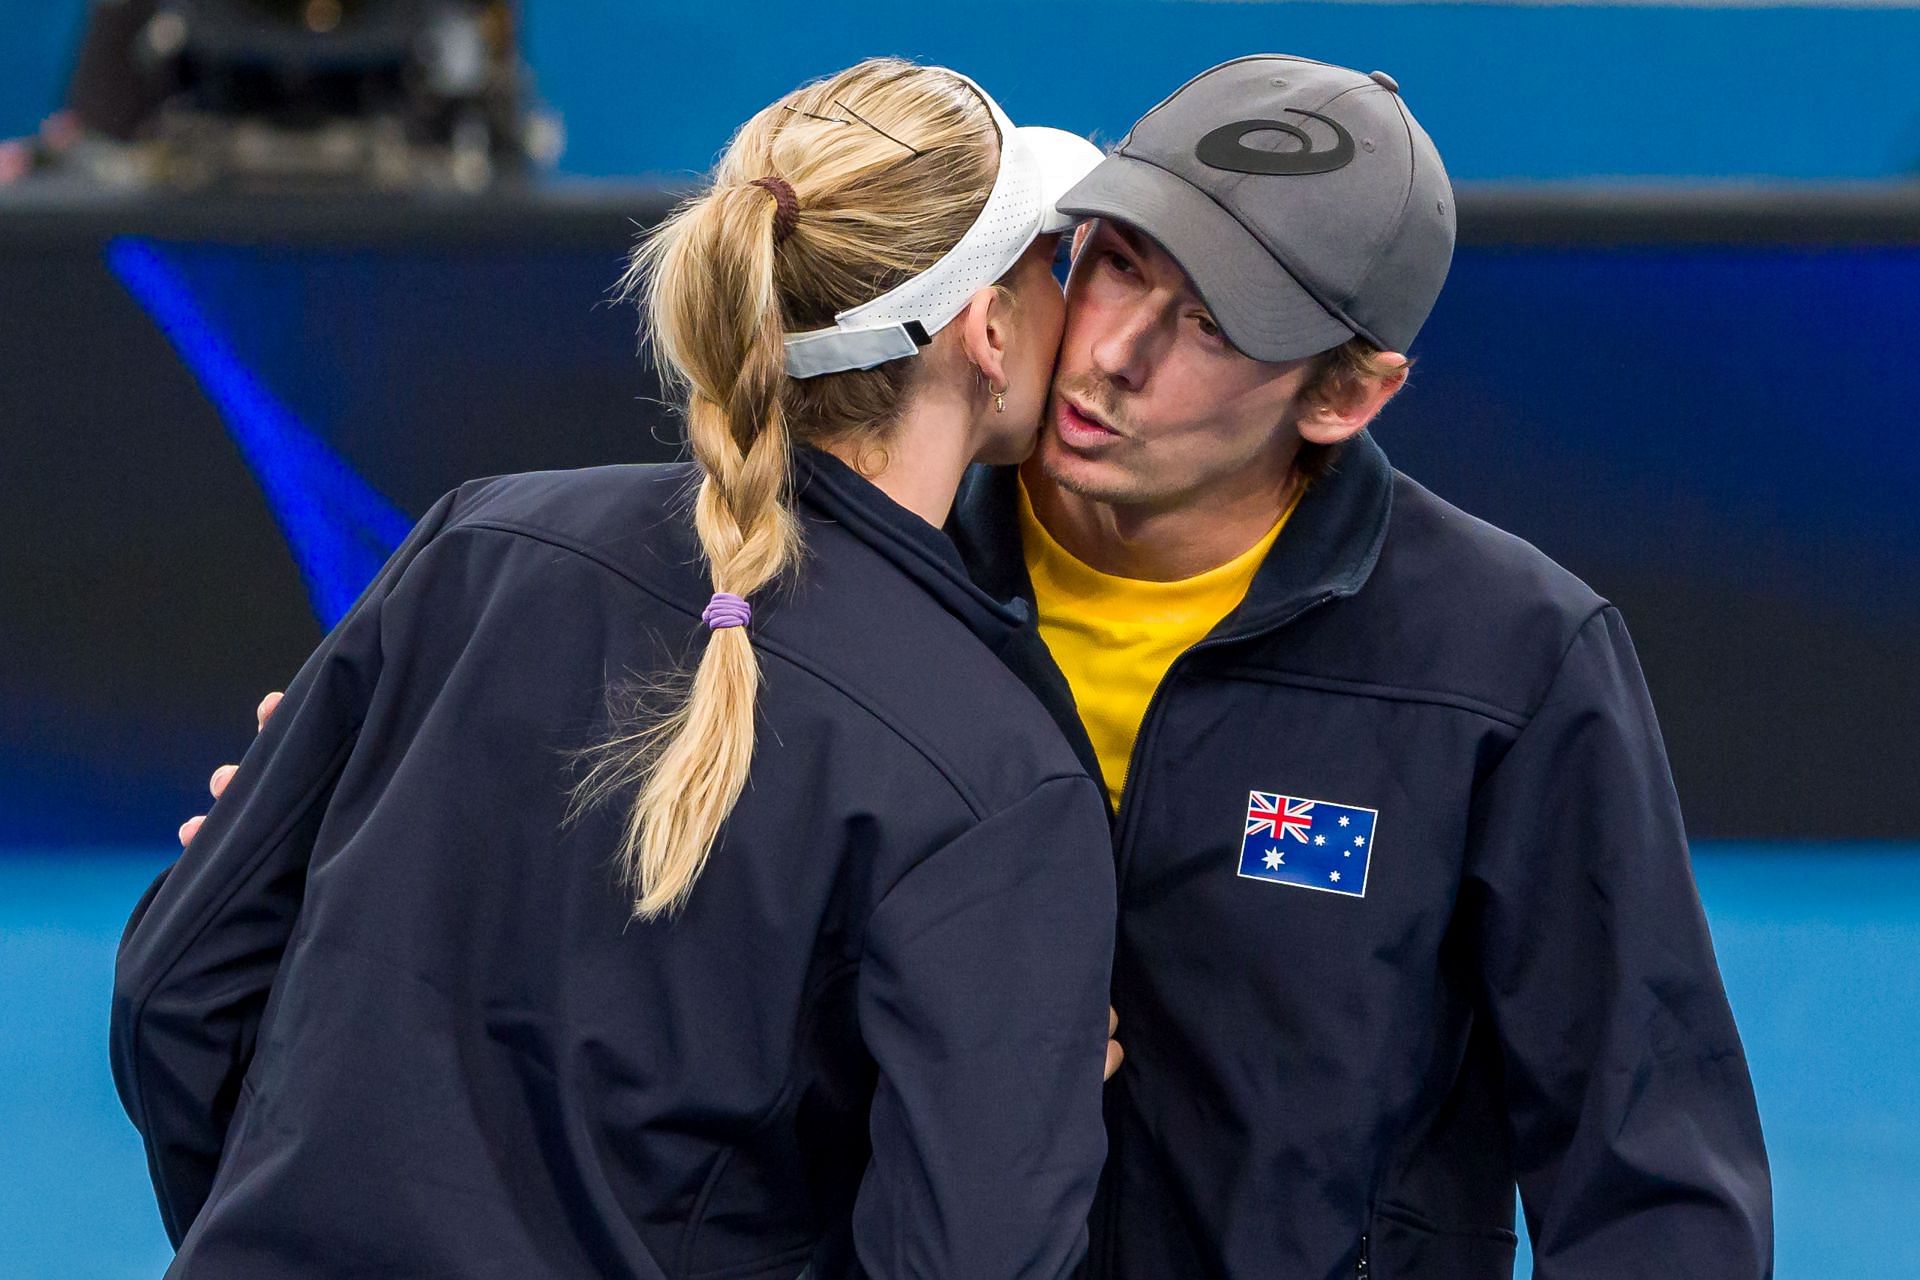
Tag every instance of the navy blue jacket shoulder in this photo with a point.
(1407, 917)
(388, 1014)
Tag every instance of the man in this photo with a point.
(1406, 910)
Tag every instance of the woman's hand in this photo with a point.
(224, 774)
(1115, 1054)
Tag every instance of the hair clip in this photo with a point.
(809, 115)
(876, 128)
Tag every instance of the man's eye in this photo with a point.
(1119, 262)
(1207, 326)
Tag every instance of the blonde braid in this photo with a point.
(809, 214)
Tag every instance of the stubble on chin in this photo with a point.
(1072, 474)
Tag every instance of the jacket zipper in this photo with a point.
(1361, 1269)
(1123, 821)
(1123, 835)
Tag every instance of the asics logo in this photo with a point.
(1224, 148)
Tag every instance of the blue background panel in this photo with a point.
(1510, 92)
(232, 435)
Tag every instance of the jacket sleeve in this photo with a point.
(199, 956)
(1636, 1137)
(983, 998)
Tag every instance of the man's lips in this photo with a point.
(1076, 427)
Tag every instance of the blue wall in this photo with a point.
(1657, 419)
(1510, 92)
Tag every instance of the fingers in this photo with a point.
(224, 774)
(1113, 1021)
(1115, 1054)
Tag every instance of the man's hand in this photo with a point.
(224, 774)
(1115, 1054)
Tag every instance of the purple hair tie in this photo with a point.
(726, 610)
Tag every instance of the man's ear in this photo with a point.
(1350, 403)
(985, 333)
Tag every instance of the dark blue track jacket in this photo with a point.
(1344, 1076)
(386, 1016)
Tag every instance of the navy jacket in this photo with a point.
(387, 1017)
(1322, 1085)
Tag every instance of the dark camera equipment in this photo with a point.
(274, 94)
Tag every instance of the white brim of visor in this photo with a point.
(1037, 167)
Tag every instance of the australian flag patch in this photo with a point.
(1311, 844)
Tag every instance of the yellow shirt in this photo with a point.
(1114, 638)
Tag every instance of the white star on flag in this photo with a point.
(1343, 822)
(1319, 839)
(1358, 841)
(1274, 858)
(1334, 876)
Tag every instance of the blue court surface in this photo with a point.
(1820, 946)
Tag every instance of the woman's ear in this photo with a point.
(985, 333)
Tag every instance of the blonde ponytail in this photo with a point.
(812, 210)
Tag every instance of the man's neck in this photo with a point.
(1157, 543)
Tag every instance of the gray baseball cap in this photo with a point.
(1303, 200)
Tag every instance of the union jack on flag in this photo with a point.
(1310, 844)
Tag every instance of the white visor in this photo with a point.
(1037, 167)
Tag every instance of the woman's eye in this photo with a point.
(1119, 262)
(1207, 327)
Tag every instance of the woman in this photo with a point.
(811, 957)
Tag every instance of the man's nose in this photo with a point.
(1123, 353)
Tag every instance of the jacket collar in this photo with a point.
(1330, 545)
(1002, 620)
(1328, 550)
(832, 489)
